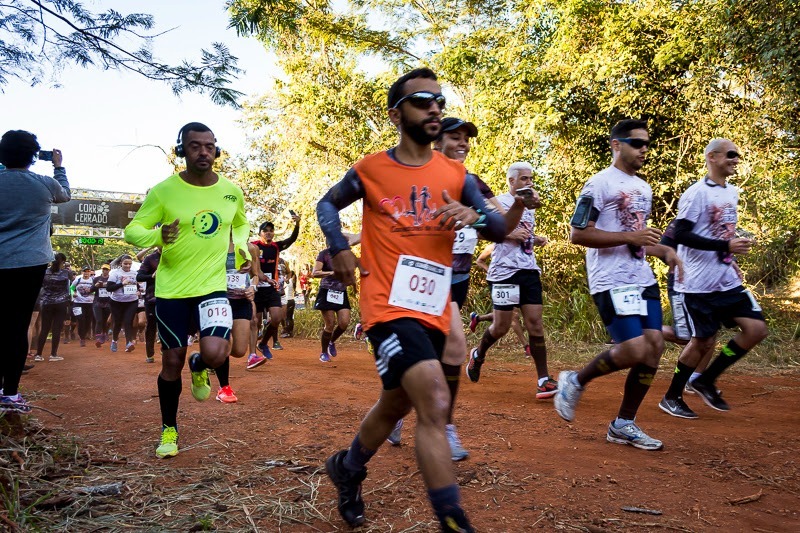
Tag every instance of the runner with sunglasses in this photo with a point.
(405, 289)
(611, 221)
(705, 230)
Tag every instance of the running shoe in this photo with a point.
(277, 346)
(169, 443)
(285, 335)
(676, 407)
(331, 349)
(455, 521)
(689, 390)
(473, 321)
(547, 390)
(149, 359)
(55, 358)
(348, 483)
(264, 349)
(14, 404)
(528, 350)
(38, 357)
(201, 385)
(457, 451)
(710, 395)
(113, 346)
(131, 346)
(631, 434)
(358, 332)
(324, 357)
(83, 343)
(225, 395)
(255, 360)
(396, 434)
(566, 399)
(97, 341)
(473, 368)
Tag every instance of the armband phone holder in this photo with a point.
(583, 210)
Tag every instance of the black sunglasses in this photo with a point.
(422, 100)
(732, 154)
(634, 143)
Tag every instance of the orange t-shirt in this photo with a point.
(399, 202)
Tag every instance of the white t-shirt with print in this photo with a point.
(83, 290)
(624, 203)
(509, 257)
(712, 208)
(119, 295)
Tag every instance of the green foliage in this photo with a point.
(38, 37)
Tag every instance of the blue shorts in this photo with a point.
(624, 328)
(178, 317)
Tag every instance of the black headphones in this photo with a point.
(179, 151)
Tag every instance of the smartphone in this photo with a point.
(583, 210)
(292, 213)
(525, 191)
(45, 155)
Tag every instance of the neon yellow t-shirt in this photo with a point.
(193, 265)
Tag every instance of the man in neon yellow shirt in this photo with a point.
(192, 215)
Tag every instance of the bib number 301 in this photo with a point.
(420, 285)
(214, 313)
(505, 294)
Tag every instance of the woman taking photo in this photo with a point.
(54, 301)
(124, 302)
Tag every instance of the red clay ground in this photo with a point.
(528, 469)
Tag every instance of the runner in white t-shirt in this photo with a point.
(515, 279)
(705, 230)
(611, 221)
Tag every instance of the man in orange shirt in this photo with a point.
(405, 287)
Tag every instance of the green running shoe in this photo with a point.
(201, 385)
(169, 443)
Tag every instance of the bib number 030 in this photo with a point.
(420, 285)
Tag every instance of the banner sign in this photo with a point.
(94, 213)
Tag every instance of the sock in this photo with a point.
(223, 372)
(486, 342)
(542, 381)
(599, 366)
(451, 374)
(169, 392)
(637, 384)
(539, 354)
(337, 333)
(622, 422)
(269, 332)
(729, 354)
(694, 375)
(326, 339)
(445, 500)
(682, 375)
(357, 456)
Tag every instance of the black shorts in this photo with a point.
(530, 289)
(178, 317)
(458, 292)
(707, 312)
(323, 303)
(400, 344)
(266, 298)
(242, 308)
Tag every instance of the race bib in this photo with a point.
(420, 285)
(505, 294)
(77, 311)
(130, 289)
(265, 283)
(336, 297)
(237, 280)
(103, 293)
(466, 241)
(753, 301)
(628, 301)
(214, 313)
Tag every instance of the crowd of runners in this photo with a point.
(205, 284)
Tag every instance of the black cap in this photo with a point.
(87, 267)
(453, 123)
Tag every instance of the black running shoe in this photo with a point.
(710, 395)
(455, 522)
(676, 407)
(348, 483)
(473, 368)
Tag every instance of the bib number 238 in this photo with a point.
(420, 285)
(214, 313)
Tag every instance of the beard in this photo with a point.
(417, 130)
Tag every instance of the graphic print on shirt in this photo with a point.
(206, 223)
(632, 211)
(722, 219)
(419, 212)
